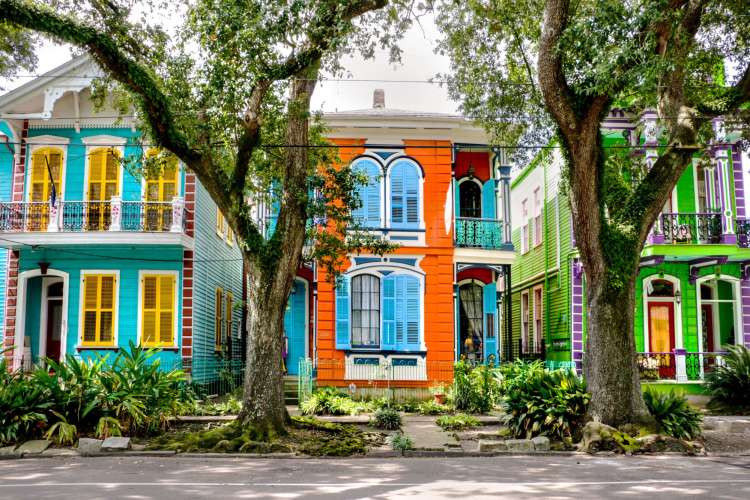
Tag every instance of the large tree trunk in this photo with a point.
(609, 365)
(271, 276)
(263, 406)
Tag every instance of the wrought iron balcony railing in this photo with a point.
(82, 216)
(691, 228)
(742, 228)
(479, 233)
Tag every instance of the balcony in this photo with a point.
(691, 228)
(113, 221)
(742, 228)
(479, 233)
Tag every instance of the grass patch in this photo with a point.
(306, 435)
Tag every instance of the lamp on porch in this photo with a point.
(43, 266)
(678, 297)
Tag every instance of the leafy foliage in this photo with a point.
(331, 401)
(131, 394)
(402, 442)
(729, 383)
(539, 402)
(387, 419)
(432, 408)
(674, 414)
(475, 389)
(457, 422)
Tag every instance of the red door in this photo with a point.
(661, 336)
(54, 328)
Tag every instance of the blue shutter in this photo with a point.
(490, 321)
(397, 195)
(388, 341)
(369, 195)
(489, 200)
(404, 195)
(273, 214)
(400, 311)
(413, 315)
(343, 338)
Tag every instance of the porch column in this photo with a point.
(504, 171)
(53, 224)
(723, 175)
(115, 214)
(178, 207)
(656, 236)
(680, 356)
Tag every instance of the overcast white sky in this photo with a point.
(419, 63)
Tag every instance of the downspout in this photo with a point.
(546, 260)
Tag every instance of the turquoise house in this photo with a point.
(96, 255)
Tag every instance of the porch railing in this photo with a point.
(679, 365)
(80, 216)
(691, 228)
(478, 233)
(742, 228)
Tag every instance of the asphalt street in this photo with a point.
(577, 477)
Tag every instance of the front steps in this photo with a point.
(290, 390)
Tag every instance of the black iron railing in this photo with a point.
(742, 228)
(691, 228)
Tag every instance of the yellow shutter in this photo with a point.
(219, 318)
(99, 309)
(158, 314)
(219, 222)
(103, 184)
(229, 316)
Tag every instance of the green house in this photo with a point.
(693, 289)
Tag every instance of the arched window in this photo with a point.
(404, 177)
(365, 311)
(661, 288)
(471, 319)
(470, 199)
(368, 215)
(103, 184)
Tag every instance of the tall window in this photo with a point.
(404, 177)
(471, 321)
(229, 299)
(538, 319)
(525, 227)
(221, 223)
(99, 309)
(368, 215)
(470, 199)
(103, 184)
(160, 191)
(158, 310)
(525, 321)
(365, 311)
(44, 161)
(538, 228)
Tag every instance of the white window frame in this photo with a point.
(538, 339)
(525, 227)
(420, 206)
(381, 187)
(538, 233)
(43, 142)
(177, 312)
(116, 316)
(525, 326)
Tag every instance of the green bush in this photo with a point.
(674, 414)
(331, 401)
(432, 408)
(457, 422)
(538, 402)
(23, 406)
(387, 419)
(475, 389)
(729, 384)
(74, 396)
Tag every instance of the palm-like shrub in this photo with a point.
(674, 414)
(538, 402)
(729, 383)
(475, 389)
(23, 406)
(387, 419)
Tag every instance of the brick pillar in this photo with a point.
(190, 192)
(20, 166)
(11, 295)
(187, 310)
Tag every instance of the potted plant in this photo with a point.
(438, 393)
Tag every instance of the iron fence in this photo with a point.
(691, 228)
(700, 364)
(742, 228)
(478, 233)
(656, 365)
(678, 366)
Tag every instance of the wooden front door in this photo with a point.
(661, 335)
(54, 328)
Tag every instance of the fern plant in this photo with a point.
(62, 432)
(674, 414)
(729, 383)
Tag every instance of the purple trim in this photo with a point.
(739, 182)
(651, 261)
(745, 291)
(719, 259)
(729, 239)
(576, 313)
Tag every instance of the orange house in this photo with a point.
(438, 191)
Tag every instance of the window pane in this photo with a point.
(366, 310)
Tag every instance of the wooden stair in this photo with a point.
(290, 390)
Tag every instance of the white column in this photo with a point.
(53, 224)
(680, 359)
(178, 209)
(115, 214)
